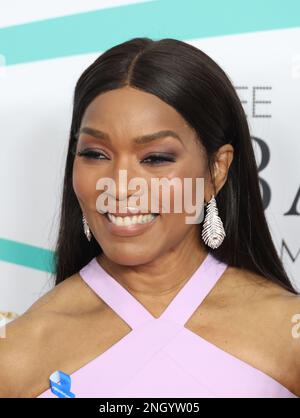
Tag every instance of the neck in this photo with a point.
(156, 282)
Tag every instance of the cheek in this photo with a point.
(187, 190)
(84, 185)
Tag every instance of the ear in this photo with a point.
(222, 161)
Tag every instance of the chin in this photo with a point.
(128, 257)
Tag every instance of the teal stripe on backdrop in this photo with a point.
(98, 30)
(26, 255)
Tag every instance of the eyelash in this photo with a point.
(158, 158)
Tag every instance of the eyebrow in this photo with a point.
(143, 139)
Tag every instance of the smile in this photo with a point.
(128, 226)
(131, 220)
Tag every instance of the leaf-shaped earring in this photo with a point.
(213, 232)
(86, 228)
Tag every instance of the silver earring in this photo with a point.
(86, 228)
(213, 232)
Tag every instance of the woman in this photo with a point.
(156, 306)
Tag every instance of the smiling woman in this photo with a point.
(163, 308)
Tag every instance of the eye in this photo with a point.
(90, 154)
(156, 159)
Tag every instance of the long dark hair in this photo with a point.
(192, 83)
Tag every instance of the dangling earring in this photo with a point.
(86, 228)
(213, 232)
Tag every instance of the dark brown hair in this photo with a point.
(192, 83)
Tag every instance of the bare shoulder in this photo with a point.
(71, 296)
(20, 353)
(264, 298)
(283, 320)
(27, 353)
(271, 314)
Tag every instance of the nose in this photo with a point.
(121, 180)
(127, 180)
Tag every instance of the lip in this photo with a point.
(123, 215)
(130, 230)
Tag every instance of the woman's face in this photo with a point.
(125, 114)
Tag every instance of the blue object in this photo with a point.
(60, 383)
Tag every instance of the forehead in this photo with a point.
(132, 110)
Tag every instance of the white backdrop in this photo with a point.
(35, 116)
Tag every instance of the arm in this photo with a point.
(21, 365)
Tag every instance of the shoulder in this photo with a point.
(285, 314)
(255, 287)
(27, 353)
(265, 299)
(272, 316)
(20, 353)
(71, 296)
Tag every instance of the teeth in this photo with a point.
(130, 220)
